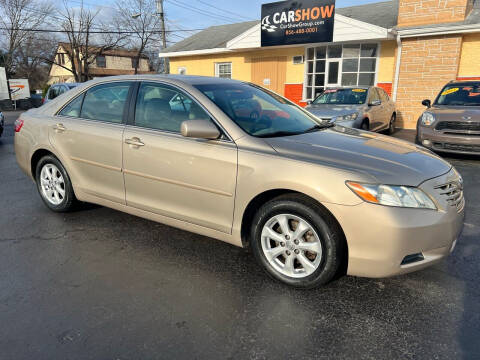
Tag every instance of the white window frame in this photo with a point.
(305, 79)
(182, 70)
(217, 68)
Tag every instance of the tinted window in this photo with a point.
(258, 111)
(53, 92)
(106, 102)
(342, 96)
(383, 95)
(373, 95)
(165, 108)
(460, 95)
(73, 108)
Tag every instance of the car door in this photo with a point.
(387, 106)
(375, 109)
(87, 134)
(187, 179)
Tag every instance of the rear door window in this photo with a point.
(52, 92)
(106, 102)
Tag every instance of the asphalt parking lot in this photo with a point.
(100, 284)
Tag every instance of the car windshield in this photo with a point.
(342, 97)
(462, 95)
(260, 112)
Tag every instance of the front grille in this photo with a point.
(453, 191)
(456, 125)
(457, 147)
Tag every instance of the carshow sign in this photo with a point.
(297, 22)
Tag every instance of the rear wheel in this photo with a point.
(54, 185)
(297, 242)
(391, 127)
(365, 125)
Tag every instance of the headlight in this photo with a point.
(428, 119)
(401, 196)
(349, 117)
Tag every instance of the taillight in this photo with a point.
(43, 101)
(18, 125)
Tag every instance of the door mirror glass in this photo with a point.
(427, 103)
(200, 129)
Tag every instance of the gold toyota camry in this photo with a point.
(239, 163)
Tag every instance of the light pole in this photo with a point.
(166, 63)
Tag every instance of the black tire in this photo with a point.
(391, 127)
(69, 201)
(365, 125)
(328, 230)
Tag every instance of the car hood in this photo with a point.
(455, 113)
(329, 111)
(388, 160)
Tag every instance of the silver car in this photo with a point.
(367, 108)
(58, 89)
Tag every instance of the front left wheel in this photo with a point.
(54, 185)
(297, 241)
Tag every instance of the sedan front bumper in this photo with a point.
(460, 143)
(385, 241)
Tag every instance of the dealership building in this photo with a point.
(410, 48)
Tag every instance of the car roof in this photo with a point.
(186, 79)
(464, 82)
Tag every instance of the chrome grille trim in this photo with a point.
(454, 192)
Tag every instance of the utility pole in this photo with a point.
(166, 63)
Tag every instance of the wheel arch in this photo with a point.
(35, 158)
(268, 195)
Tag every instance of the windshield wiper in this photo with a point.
(279, 133)
(319, 127)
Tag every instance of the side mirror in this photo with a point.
(427, 103)
(375, 103)
(200, 129)
(309, 102)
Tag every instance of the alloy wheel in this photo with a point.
(52, 184)
(291, 245)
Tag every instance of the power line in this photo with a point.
(201, 11)
(120, 32)
(225, 11)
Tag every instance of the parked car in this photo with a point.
(57, 90)
(36, 99)
(367, 108)
(2, 123)
(312, 200)
(452, 123)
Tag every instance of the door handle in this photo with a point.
(59, 128)
(134, 142)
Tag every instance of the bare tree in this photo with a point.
(140, 18)
(18, 18)
(32, 59)
(87, 39)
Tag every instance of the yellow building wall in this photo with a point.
(241, 63)
(386, 66)
(470, 57)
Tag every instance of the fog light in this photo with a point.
(413, 258)
(427, 143)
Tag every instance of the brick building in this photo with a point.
(411, 48)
